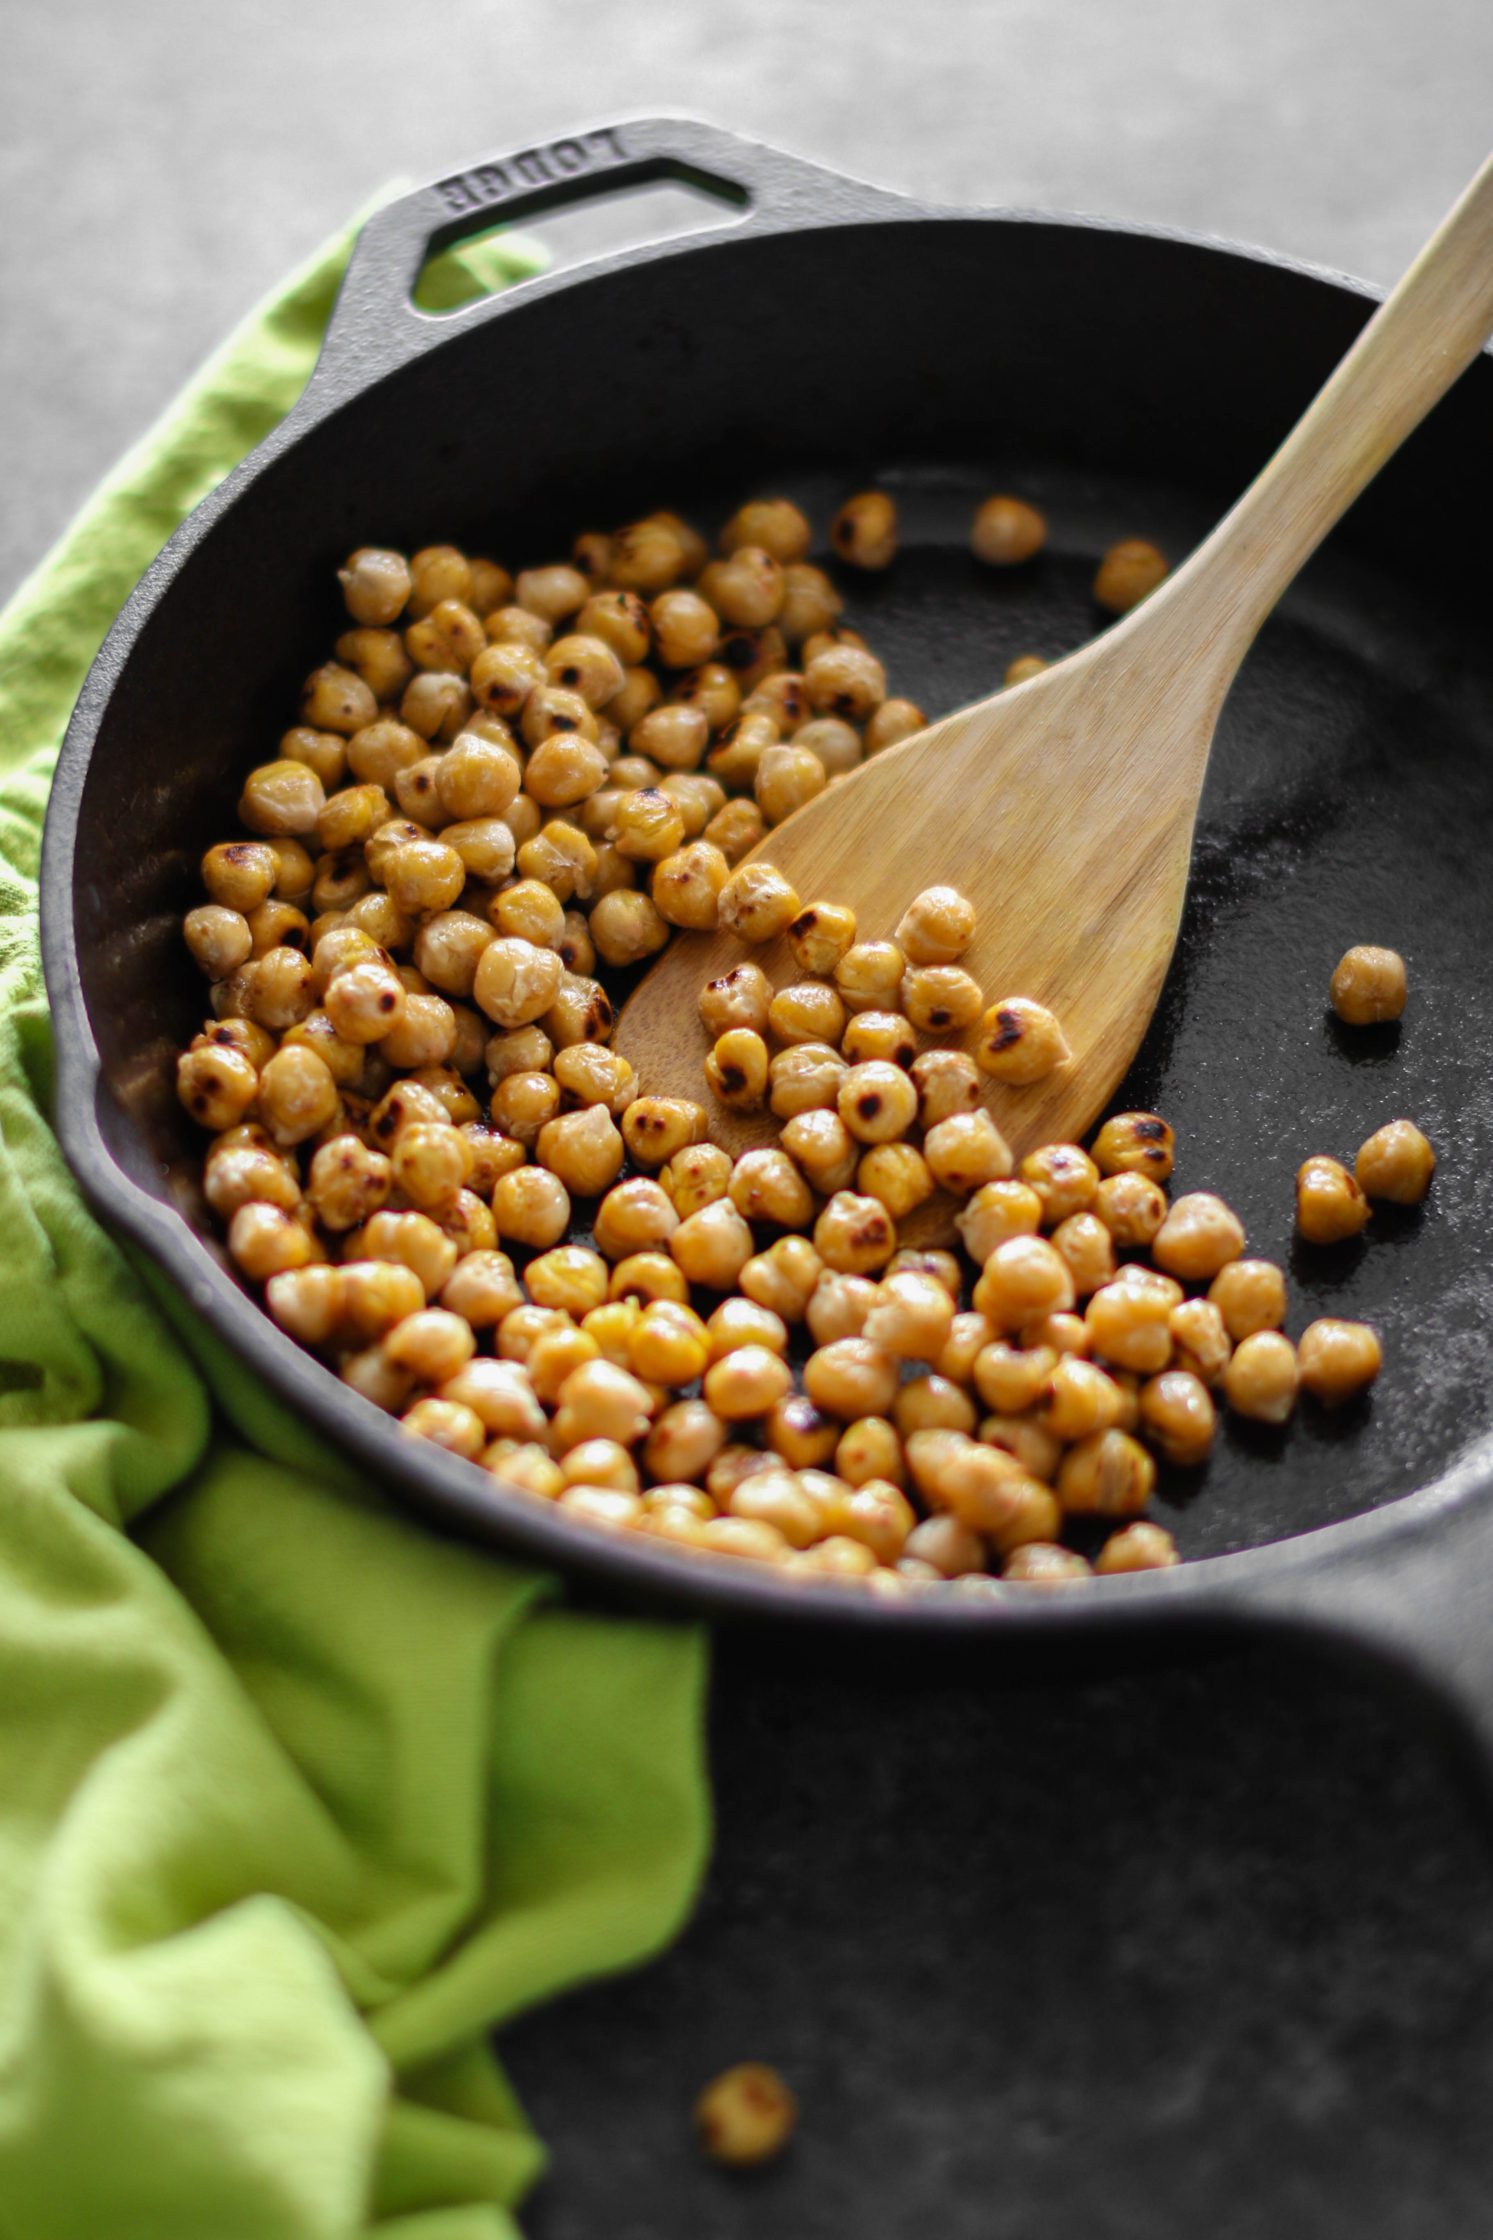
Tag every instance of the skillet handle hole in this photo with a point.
(574, 230)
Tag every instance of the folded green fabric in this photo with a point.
(296, 1800)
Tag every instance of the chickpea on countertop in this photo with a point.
(450, 1186)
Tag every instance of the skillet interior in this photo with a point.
(1131, 385)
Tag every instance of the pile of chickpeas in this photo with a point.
(456, 1192)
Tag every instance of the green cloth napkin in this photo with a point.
(296, 1800)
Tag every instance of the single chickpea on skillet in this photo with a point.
(498, 790)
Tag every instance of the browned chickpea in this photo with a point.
(877, 1101)
(1200, 1339)
(1023, 1279)
(585, 1149)
(1337, 1360)
(695, 1177)
(805, 1078)
(217, 1085)
(736, 829)
(845, 681)
(1006, 531)
(264, 1240)
(942, 999)
(448, 639)
(1177, 1416)
(220, 939)
(1135, 1143)
(281, 992)
(297, 1095)
(1064, 1178)
(1250, 1295)
(855, 1236)
(516, 982)
(819, 1142)
(1020, 1042)
(531, 1206)
(864, 531)
(626, 927)
(810, 601)
(1083, 1241)
(1129, 571)
(1132, 1208)
(587, 666)
(1396, 1164)
(581, 1012)
(1261, 1378)
(965, 1151)
(783, 1277)
(947, 1083)
(757, 903)
(240, 874)
(1330, 1206)
(435, 704)
(686, 886)
(880, 1034)
(1108, 1474)
(375, 584)
(736, 1069)
(659, 1130)
(281, 798)
(766, 1186)
(1199, 1236)
(646, 825)
(897, 1176)
(745, 588)
(1368, 986)
(1136, 1547)
(336, 699)
(891, 723)
(713, 1246)
(869, 976)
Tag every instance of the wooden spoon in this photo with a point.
(1064, 807)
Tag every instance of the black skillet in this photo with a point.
(1131, 382)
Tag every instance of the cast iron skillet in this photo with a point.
(1131, 382)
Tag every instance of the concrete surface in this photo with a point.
(1212, 1951)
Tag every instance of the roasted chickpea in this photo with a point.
(1128, 573)
(877, 1102)
(845, 681)
(1368, 986)
(869, 976)
(1337, 1360)
(855, 1236)
(1330, 1206)
(891, 723)
(659, 1130)
(937, 927)
(1261, 1377)
(965, 1151)
(1395, 1164)
(805, 1078)
(1006, 531)
(864, 531)
(531, 1206)
(1199, 1236)
(998, 1210)
(1250, 1295)
(1020, 1042)
(783, 1277)
(767, 1187)
(713, 1246)
(1135, 1143)
(1132, 1208)
(736, 1069)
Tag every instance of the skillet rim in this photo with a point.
(1245, 1586)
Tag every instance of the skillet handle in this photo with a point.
(1413, 1598)
(375, 325)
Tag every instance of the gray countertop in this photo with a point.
(1231, 1924)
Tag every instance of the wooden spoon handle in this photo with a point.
(1412, 350)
